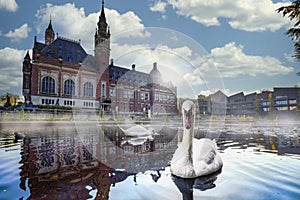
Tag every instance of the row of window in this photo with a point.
(88, 104)
(48, 87)
(267, 103)
(48, 101)
(69, 103)
(129, 94)
(71, 56)
(66, 102)
(284, 108)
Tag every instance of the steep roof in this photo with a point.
(89, 60)
(102, 17)
(66, 49)
(50, 26)
(119, 73)
(38, 46)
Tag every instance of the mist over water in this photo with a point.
(262, 158)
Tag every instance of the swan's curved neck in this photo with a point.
(187, 141)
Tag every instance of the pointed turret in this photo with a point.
(27, 56)
(102, 17)
(26, 69)
(102, 42)
(103, 30)
(49, 34)
(26, 63)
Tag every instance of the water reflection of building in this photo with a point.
(61, 72)
(60, 167)
(279, 140)
(59, 164)
(138, 145)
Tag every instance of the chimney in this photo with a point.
(133, 67)
(155, 65)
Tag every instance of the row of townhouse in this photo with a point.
(280, 100)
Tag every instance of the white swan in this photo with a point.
(138, 131)
(193, 157)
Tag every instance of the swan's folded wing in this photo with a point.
(205, 157)
(202, 148)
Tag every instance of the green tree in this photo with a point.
(257, 105)
(271, 103)
(292, 11)
(8, 102)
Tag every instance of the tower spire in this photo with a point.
(102, 17)
(102, 42)
(102, 24)
(49, 33)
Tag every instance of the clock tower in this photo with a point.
(102, 55)
(102, 43)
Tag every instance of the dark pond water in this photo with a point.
(99, 162)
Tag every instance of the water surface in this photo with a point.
(260, 162)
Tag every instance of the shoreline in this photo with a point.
(4, 124)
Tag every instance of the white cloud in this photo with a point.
(145, 55)
(11, 70)
(9, 5)
(159, 6)
(72, 22)
(290, 57)
(250, 15)
(19, 33)
(195, 77)
(232, 62)
(212, 91)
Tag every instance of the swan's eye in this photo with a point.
(190, 111)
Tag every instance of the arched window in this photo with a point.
(69, 87)
(88, 89)
(48, 85)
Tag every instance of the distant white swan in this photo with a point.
(193, 157)
(137, 131)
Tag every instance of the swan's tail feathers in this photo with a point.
(215, 144)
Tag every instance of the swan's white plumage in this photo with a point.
(194, 157)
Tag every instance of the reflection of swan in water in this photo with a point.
(117, 176)
(187, 185)
(193, 157)
(18, 136)
(137, 131)
(155, 177)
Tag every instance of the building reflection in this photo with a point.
(278, 140)
(62, 164)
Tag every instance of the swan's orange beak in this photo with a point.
(188, 115)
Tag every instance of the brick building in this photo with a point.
(61, 72)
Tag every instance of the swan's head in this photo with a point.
(188, 113)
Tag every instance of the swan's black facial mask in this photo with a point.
(188, 118)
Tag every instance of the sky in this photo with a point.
(200, 46)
